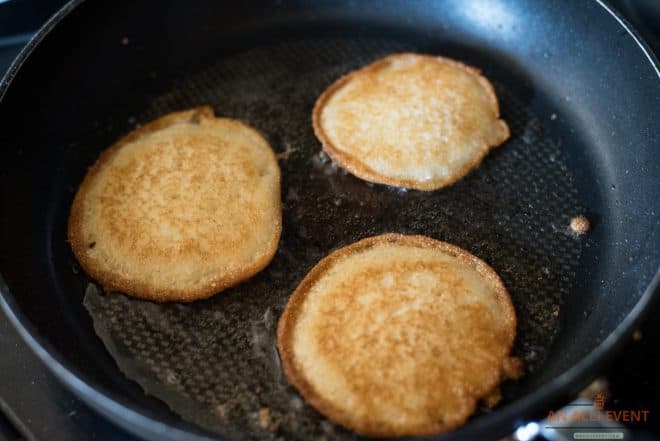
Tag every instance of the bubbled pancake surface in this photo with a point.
(179, 209)
(398, 335)
(410, 120)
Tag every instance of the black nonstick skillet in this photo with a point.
(580, 91)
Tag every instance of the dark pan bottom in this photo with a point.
(214, 362)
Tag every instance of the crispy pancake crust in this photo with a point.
(398, 335)
(410, 120)
(179, 209)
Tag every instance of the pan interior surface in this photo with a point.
(214, 362)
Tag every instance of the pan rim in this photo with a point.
(141, 421)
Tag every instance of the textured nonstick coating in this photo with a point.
(214, 362)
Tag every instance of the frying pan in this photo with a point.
(575, 82)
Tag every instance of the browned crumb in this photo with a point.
(221, 409)
(598, 385)
(513, 368)
(264, 417)
(224, 409)
(580, 224)
(637, 335)
(288, 151)
(269, 420)
(492, 398)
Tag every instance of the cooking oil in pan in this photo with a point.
(215, 363)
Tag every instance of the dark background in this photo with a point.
(34, 406)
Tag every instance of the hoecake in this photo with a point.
(179, 209)
(410, 120)
(398, 335)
